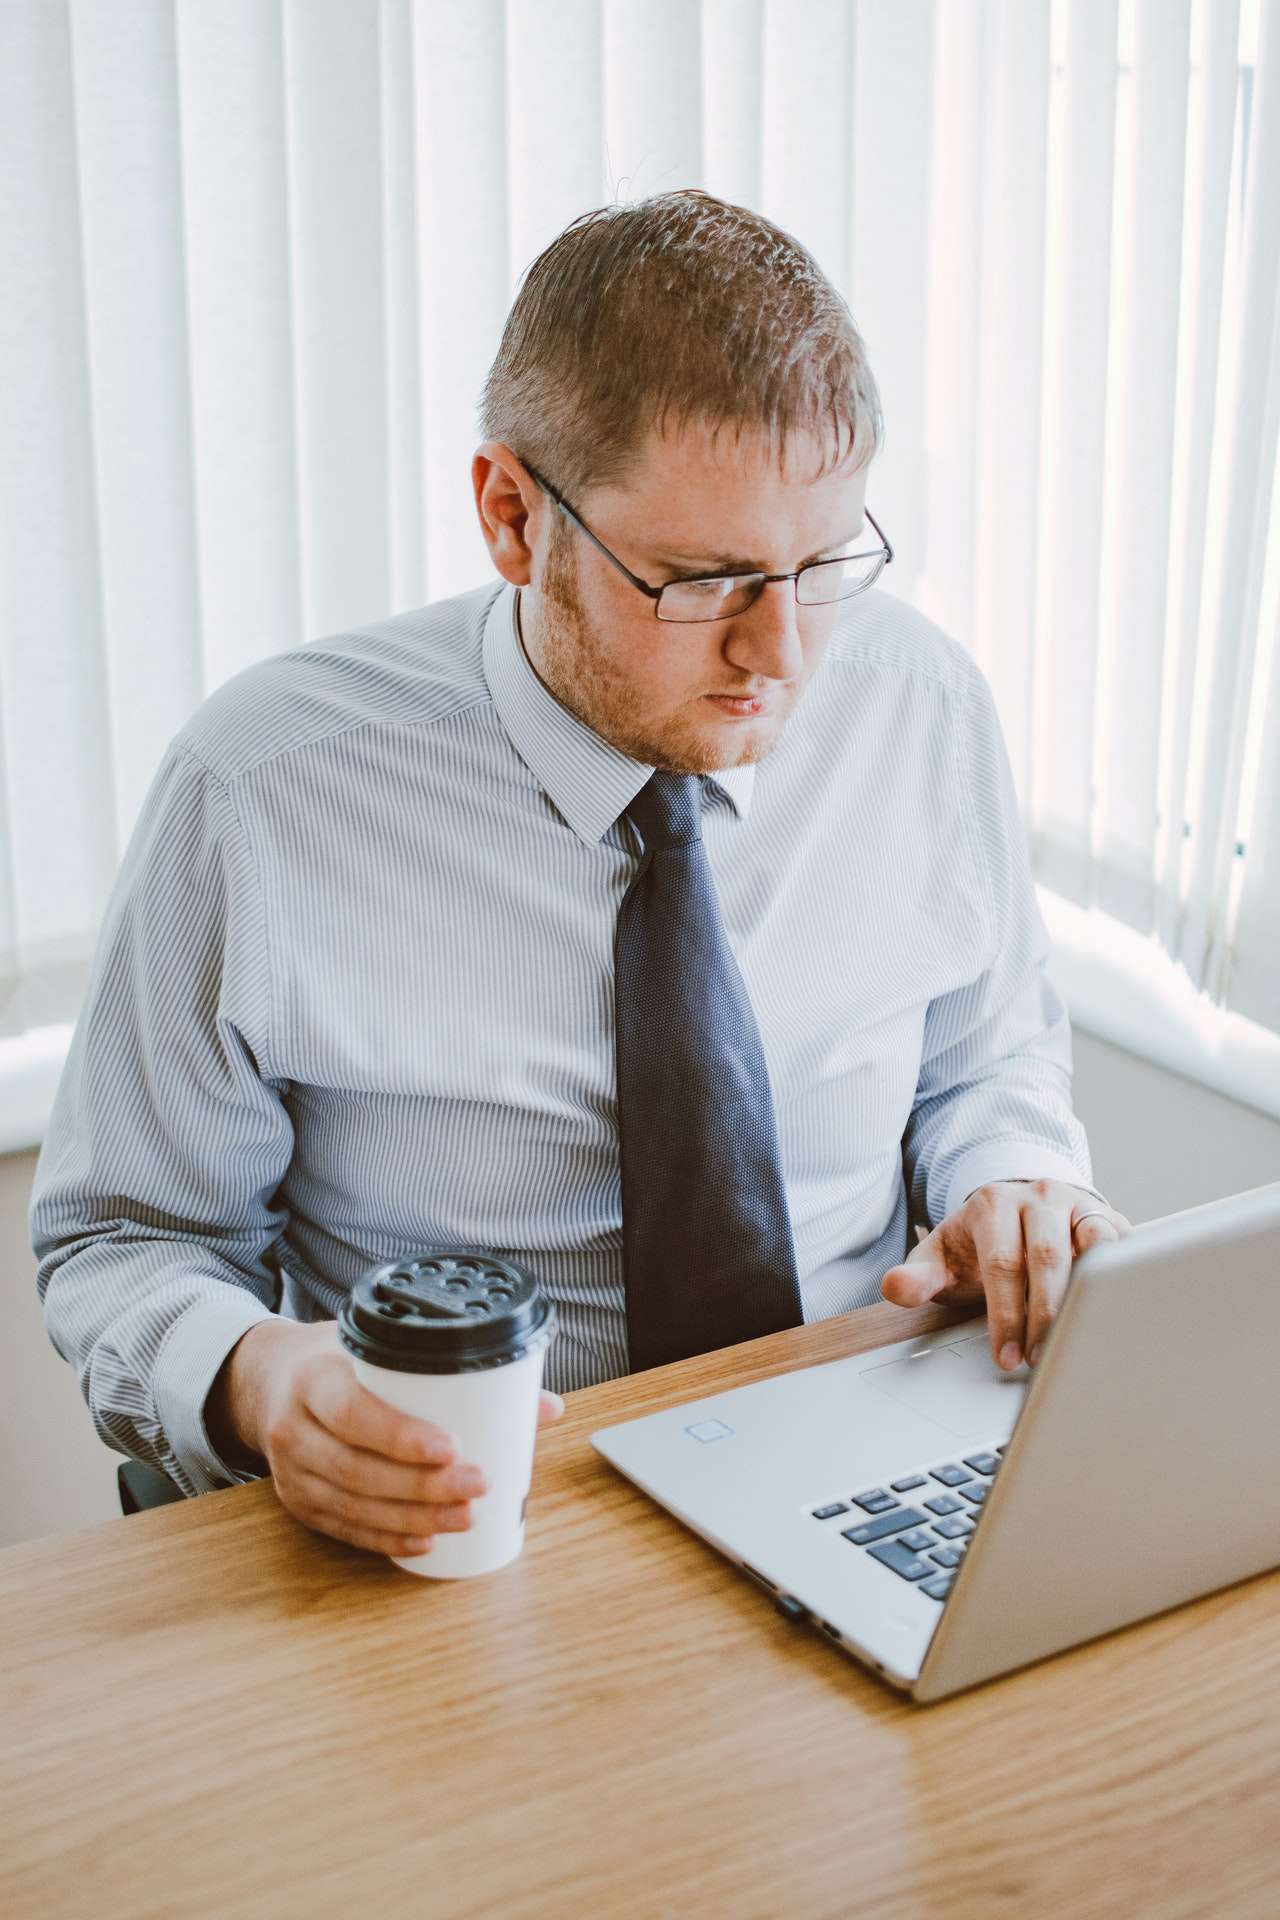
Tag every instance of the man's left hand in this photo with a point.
(1012, 1243)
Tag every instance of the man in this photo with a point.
(658, 918)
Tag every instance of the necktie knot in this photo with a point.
(668, 810)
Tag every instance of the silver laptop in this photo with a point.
(944, 1522)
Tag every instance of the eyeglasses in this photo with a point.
(721, 595)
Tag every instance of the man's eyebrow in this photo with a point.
(735, 563)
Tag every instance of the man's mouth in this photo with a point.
(734, 703)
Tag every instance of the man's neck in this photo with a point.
(520, 633)
(525, 651)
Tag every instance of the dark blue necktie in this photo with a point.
(707, 1245)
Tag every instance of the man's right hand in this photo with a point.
(344, 1462)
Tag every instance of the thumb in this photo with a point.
(918, 1278)
(550, 1406)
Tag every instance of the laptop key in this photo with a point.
(826, 1513)
(982, 1462)
(884, 1523)
(950, 1475)
(977, 1492)
(944, 1504)
(947, 1556)
(901, 1560)
(875, 1500)
(952, 1526)
(905, 1486)
(938, 1588)
(918, 1539)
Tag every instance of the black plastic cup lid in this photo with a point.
(446, 1312)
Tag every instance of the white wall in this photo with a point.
(1160, 1143)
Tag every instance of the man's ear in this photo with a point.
(509, 506)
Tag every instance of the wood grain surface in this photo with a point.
(210, 1710)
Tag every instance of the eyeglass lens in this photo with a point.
(815, 586)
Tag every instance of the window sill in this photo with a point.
(1118, 986)
(1122, 987)
(30, 1065)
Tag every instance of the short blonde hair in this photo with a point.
(679, 305)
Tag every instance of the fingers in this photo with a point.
(1027, 1277)
(342, 1497)
(356, 1516)
(1100, 1227)
(350, 1465)
(996, 1225)
(1015, 1252)
(940, 1267)
(355, 1470)
(914, 1282)
(335, 1397)
(393, 1545)
(1046, 1238)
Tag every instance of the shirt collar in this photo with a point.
(590, 781)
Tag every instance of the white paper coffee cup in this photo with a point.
(459, 1339)
(493, 1416)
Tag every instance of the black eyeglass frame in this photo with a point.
(656, 593)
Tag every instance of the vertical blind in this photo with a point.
(258, 255)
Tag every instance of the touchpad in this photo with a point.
(960, 1386)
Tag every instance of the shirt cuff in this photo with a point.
(1005, 1160)
(186, 1369)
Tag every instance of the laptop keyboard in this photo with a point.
(923, 1538)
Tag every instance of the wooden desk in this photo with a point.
(212, 1711)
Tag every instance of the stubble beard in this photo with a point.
(578, 671)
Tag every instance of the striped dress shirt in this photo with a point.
(352, 997)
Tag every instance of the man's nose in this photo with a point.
(765, 639)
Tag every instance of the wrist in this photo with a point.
(233, 1409)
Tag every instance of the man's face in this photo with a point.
(647, 685)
